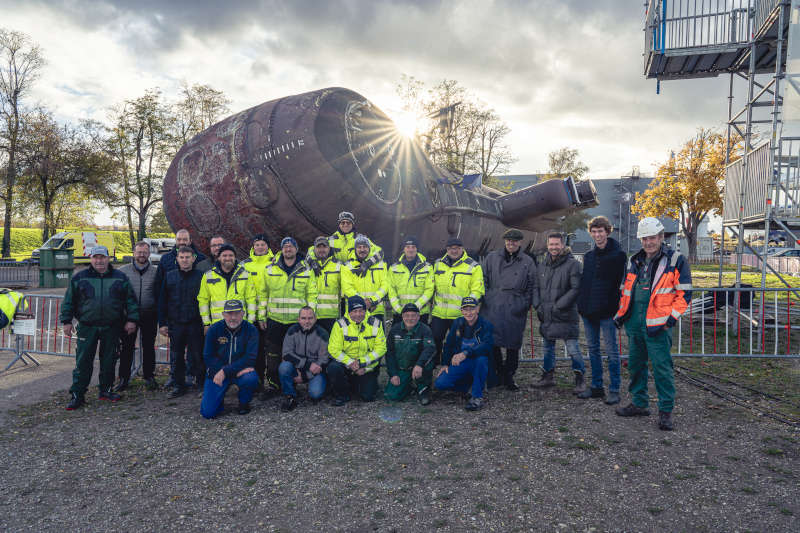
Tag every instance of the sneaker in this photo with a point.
(592, 393)
(340, 401)
(109, 396)
(511, 384)
(122, 385)
(474, 404)
(424, 396)
(76, 402)
(613, 398)
(548, 379)
(665, 421)
(288, 403)
(151, 384)
(632, 410)
(580, 383)
(175, 392)
(244, 408)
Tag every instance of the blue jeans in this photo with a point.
(471, 373)
(286, 374)
(593, 329)
(213, 394)
(573, 350)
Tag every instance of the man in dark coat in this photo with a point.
(603, 269)
(559, 278)
(510, 279)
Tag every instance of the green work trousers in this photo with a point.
(88, 338)
(657, 349)
(407, 385)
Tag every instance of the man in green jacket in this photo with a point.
(409, 358)
(102, 300)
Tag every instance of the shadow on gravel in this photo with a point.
(529, 461)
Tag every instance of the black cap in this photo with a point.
(260, 237)
(356, 302)
(225, 247)
(411, 241)
(468, 301)
(454, 241)
(233, 306)
(513, 235)
(410, 307)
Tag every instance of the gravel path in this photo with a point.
(529, 461)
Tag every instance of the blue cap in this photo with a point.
(289, 240)
(468, 301)
(232, 306)
(356, 302)
(411, 241)
(454, 241)
(99, 250)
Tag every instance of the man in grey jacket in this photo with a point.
(559, 279)
(142, 277)
(305, 356)
(510, 279)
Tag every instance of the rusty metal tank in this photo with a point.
(289, 166)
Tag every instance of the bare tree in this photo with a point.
(21, 62)
(563, 163)
(199, 107)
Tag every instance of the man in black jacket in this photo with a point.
(603, 269)
(179, 317)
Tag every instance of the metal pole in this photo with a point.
(727, 161)
(745, 167)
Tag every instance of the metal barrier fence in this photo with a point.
(680, 24)
(17, 274)
(721, 322)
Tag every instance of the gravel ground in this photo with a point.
(529, 461)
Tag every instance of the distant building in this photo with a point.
(615, 198)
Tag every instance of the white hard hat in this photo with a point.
(648, 227)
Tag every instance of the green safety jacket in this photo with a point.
(451, 281)
(404, 287)
(96, 299)
(407, 348)
(282, 295)
(364, 342)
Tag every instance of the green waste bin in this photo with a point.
(55, 267)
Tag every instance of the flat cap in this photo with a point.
(513, 235)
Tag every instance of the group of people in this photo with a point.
(274, 321)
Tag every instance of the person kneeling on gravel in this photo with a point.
(409, 358)
(466, 352)
(305, 356)
(230, 357)
(357, 344)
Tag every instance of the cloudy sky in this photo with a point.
(559, 72)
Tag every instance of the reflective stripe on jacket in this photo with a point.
(215, 291)
(364, 342)
(670, 293)
(343, 246)
(449, 284)
(329, 288)
(372, 284)
(404, 287)
(282, 295)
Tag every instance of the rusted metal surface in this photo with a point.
(289, 166)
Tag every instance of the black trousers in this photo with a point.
(506, 369)
(261, 356)
(344, 381)
(440, 327)
(275, 334)
(148, 325)
(186, 344)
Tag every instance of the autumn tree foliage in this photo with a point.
(688, 186)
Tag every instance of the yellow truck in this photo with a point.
(80, 242)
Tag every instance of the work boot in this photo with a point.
(474, 404)
(547, 380)
(424, 396)
(665, 421)
(151, 384)
(244, 408)
(288, 403)
(613, 397)
(580, 384)
(632, 410)
(76, 402)
(122, 385)
(592, 393)
(175, 392)
(108, 396)
(340, 401)
(511, 384)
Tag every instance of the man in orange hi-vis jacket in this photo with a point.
(656, 291)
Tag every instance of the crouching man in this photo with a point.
(465, 357)
(357, 343)
(305, 356)
(409, 358)
(230, 357)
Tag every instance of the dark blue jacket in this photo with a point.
(177, 303)
(230, 351)
(482, 331)
(603, 270)
(169, 262)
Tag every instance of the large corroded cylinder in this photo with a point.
(289, 166)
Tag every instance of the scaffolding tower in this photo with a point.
(749, 41)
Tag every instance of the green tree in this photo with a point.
(563, 163)
(199, 107)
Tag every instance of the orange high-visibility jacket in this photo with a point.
(670, 290)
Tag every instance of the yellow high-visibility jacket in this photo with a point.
(364, 342)
(215, 291)
(281, 295)
(451, 281)
(372, 284)
(404, 287)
